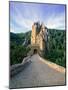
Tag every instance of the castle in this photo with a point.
(39, 37)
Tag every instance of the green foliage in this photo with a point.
(19, 38)
(56, 47)
(56, 51)
(17, 50)
(17, 53)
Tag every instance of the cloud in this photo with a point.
(56, 21)
(20, 21)
(23, 16)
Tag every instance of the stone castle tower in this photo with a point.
(39, 37)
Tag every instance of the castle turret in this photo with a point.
(39, 36)
(33, 34)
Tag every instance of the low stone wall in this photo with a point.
(53, 65)
(26, 59)
(14, 69)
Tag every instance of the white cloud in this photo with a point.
(22, 21)
(56, 21)
(25, 23)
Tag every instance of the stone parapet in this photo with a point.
(15, 69)
(53, 65)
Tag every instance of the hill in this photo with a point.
(56, 47)
(55, 51)
(19, 38)
(18, 46)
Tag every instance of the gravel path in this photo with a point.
(36, 74)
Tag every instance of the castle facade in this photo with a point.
(39, 36)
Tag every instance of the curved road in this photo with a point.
(37, 73)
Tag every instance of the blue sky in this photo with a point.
(23, 15)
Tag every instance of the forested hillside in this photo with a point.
(56, 51)
(19, 38)
(19, 46)
(56, 46)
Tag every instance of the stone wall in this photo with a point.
(39, 37)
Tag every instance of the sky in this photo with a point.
(23, 15)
